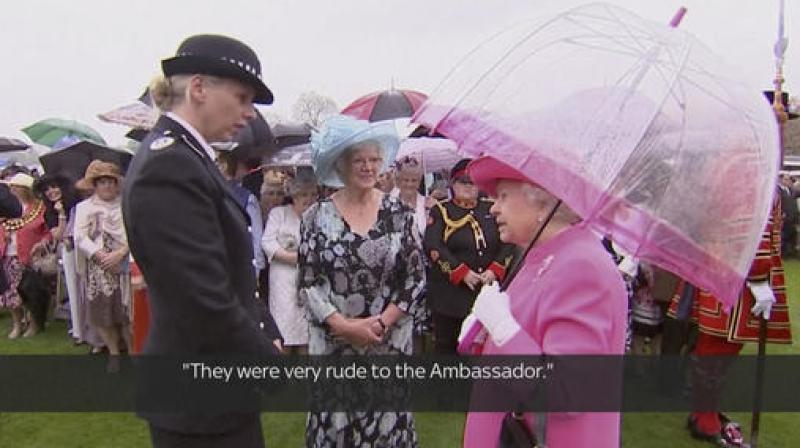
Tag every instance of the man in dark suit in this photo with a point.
(189, 234)
(790, 216)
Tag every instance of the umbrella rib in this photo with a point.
(494, 66)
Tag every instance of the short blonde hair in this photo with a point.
(167, 93)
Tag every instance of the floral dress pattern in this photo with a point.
(359, 276)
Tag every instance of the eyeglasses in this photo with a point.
(371, 161)
(464, 180)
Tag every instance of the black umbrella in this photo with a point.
(12, 144)
(73, 160)
(292, 134)
(254, 141)
(137, 134)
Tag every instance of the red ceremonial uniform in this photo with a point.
(739, 325)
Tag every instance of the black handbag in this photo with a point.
(515, 433)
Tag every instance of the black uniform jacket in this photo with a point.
(458, 239)
(190, 238)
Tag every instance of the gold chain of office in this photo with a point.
(12, 225)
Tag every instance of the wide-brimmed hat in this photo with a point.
(222, 56)
(340, 132)
(96, 170)
(21, 180)
(486, 171)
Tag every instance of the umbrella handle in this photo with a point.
(676, 19)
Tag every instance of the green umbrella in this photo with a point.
(52, 130)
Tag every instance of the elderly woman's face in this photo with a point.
(408, 181)
(362, 165)
(52, 193)
(303, 199)
(271, 196)
(106, 188)
(515, 213)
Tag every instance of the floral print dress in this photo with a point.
(359, 276)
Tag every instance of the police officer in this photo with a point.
(465, 252)
(189, 234)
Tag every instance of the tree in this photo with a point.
(313, 108)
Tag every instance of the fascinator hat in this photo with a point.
(339, 133)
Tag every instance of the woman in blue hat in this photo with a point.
(361, 272)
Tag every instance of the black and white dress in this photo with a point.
(359, 276)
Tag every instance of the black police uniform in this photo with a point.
(189, 236)
(458, 239)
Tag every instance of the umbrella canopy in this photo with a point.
(435, 154)
(291, 134)
(254, 141)
(48, 132)
(134, 115)
(73, 160)
(12, 144)
(386, 105)
(658, 145)
(27, 157)
(297, 155)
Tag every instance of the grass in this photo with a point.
(112, 430)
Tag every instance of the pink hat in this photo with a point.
(486, 171)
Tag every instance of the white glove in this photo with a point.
(764, 298)
(493, 309)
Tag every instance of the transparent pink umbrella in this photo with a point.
(635, 125)
(435, 154)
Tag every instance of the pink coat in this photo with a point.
(569, 299)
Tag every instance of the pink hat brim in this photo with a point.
(486, 171)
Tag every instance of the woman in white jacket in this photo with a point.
(280, 241)
(103, 249)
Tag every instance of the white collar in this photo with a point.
(206, 147)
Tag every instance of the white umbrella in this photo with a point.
(434, 153)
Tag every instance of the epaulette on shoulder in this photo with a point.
(166, 141)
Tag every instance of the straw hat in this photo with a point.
(20, 180)
(96, 170)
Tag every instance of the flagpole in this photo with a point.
(781, 116)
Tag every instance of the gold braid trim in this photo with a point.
(12, 225)
(452, 226)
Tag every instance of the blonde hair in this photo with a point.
(170, 92)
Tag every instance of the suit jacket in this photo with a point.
(458, 239)
(568, 299)
(789, 206)
(190, 238)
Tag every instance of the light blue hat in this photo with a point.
(340, 132)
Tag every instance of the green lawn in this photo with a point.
(102, 430)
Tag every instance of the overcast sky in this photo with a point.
(75, 59)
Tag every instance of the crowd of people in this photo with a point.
(356, 255)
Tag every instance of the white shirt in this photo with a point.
(203, 143)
